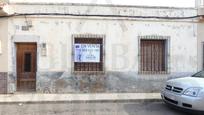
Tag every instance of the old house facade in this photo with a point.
(86, 48)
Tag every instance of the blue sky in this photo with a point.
(173, 3)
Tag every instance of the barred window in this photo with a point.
(153, 59)
(88, 54)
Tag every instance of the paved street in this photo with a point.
(133, 108)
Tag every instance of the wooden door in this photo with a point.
(26, 66)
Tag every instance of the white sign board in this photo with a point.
(87, 53)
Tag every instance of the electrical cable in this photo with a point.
(97, 15)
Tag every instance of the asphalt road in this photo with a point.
(122, 108)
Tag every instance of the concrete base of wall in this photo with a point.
(3, 82)
(110, 82)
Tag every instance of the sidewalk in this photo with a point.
(104, 97)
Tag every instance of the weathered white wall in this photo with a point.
(121, 43)
(4, 43)
(101, 9)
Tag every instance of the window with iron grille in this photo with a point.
(153, 56)
(88, 54)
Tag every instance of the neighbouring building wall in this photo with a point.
(3, 54)
(4, 45)
(200, 45)
(121, 47)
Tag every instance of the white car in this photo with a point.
(186, 93)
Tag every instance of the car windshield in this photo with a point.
(199, 74)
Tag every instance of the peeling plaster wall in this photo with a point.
(121, 48)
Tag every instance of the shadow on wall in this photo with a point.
(180, 75)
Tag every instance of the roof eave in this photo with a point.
(3, 13)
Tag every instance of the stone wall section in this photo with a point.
(3, 82)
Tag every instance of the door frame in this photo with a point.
(12, 82)
(15, 61)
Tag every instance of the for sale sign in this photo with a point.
(87, 53)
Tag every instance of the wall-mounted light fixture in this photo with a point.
(0, 48)
(43, 49)
(27, 26)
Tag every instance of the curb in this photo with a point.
(81, 98)
(88, 101)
